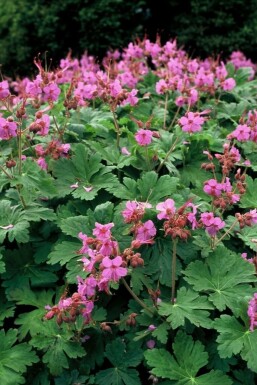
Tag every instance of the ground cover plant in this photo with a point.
(128, 221)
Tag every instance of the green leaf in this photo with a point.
(249, 199)
(161, 332)
(58, 346)
(236, 338)
(116, 376)
(225, 276)
(249, 236)
(189, 305)
(25, 271)
(189, 357)
(13, 223)
(36, 213)
(119, 356)
(86, 170)
(159, 258)
(14, 359)
(35, 182)
(74, 225)
(148, 188)
(63, 252)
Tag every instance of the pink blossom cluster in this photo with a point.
(178, 220)
(144, 232)
(216, 189)
(102, 262)
(247, 131)
(192, 121)
(8, 128)
(211, 223)
(252, 312)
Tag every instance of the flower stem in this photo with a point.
(138, 300)
(116, 124)
(174, 119)
(167, 155)
(173, 270)
(165, 111)
(226, 233)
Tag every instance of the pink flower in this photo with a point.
(102, 232)
(211, 223)
(161, 87)
(252, 312)
(84, 249)
(212, 187)
(44, 123)
(146, 231)
(87, 287)
(115, 88)
(7, 129)
(228, 84)
(4, 89)
(125, 151)
(150, 344)
(112, 270)
(42, 163)
(51, 92)
(241, 133)
(166, 209)
(144, 137)
(134, 211)
(108, 247)
(191, 122)
(33, 89)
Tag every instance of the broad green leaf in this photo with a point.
(71, 378)
(147, 188)
(236, 338)
(189, 357)
(25, 271)
(117, 376)
(57, 346)
(65, 251)
(225, 276)
(161, 332)
(85, 170)
(14, 359)
(13, 223)
(159, 257)
(189, 305)
(35, 182)
(74, 225)
(249, 236)
(249, 199)
(119, 356)
(36, 212)
(94, 118)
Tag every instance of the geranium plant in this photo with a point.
(128, 221)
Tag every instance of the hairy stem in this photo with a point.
(173, 271)
(226, 233)
(117, 128)
(165, 111)
(138, 300)
(174, 118)
(167, 155)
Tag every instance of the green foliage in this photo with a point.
(189, 357)
(14, 358)
(58, 346)
(122, 362)
(224, 276)
(188, 305)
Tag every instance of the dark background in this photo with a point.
(202, 27)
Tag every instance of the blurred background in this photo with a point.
(202, 27)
